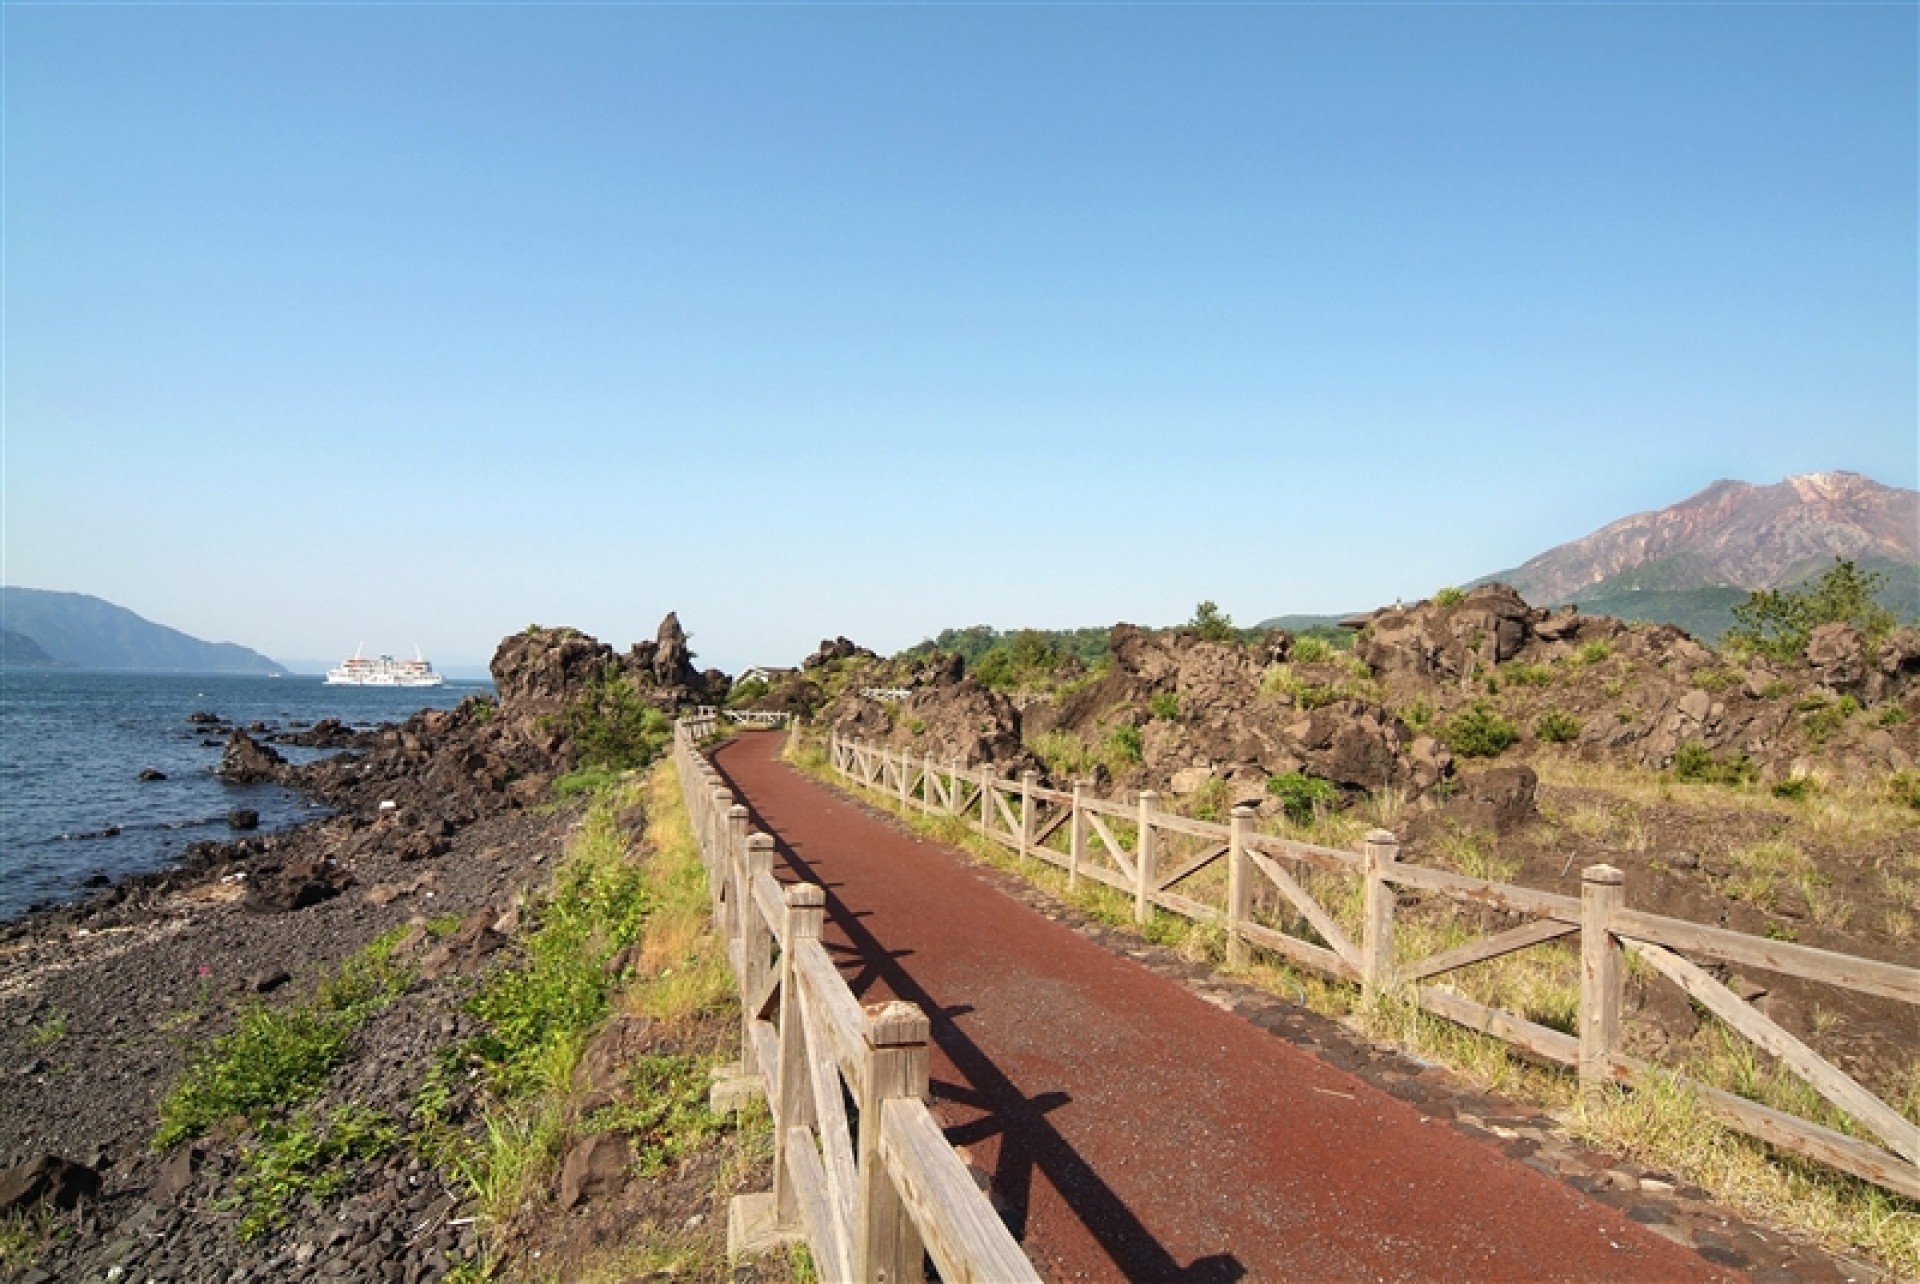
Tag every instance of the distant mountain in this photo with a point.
(18, 651)
(88, 633)
(1690, 564)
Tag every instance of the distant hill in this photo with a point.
(18, 651)
(1690, 564)
(73, 629)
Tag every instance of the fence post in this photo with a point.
(1602, 974)
(1376, 940)
(736, 833)
(1143, 870)
(793, 1094)
(1239, 886)
(986, 800)
(1027, 779)
(1076, 841)
(886, 1246)
(928, 792)
(757, 946)
(900, 778)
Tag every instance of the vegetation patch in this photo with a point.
(1301, 795)
(1556, 727)
(1778, 623)
(277, 1058)
(1478, 731)
(1694, 762)
(305, 1156)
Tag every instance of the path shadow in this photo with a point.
(1029, 1143)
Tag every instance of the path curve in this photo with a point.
(1135, 1131)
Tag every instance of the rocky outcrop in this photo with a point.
(247, 761)
(46, 1181)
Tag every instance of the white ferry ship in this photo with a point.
(386, 671)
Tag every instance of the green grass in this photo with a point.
(1301, 795)
(277, 1058)
(667, 1116)
(1556, 727)
(1694, 762)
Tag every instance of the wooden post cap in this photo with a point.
(895, 1024)
(1243, 812)
(1603, 875)
(1382, 837)
(806, 895)
(738, 811)
(759, 840)
(1149, 795)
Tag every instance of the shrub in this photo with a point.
(1418, 715)
(1165, 704)
(1796, 788)
(1594, 652)
(1527, 675)
(1450, 597)
(1301, 795)
(612, 726)
(1311, 650)
(1823, 718)
(746, 692)
(1904, 788)
(1123, 748)
(1478, 731)
(1556, 727)
(1695, 762)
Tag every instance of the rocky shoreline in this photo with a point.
(439, 828)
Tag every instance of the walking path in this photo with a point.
(1135, 1131)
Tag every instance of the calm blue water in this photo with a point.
(72, 746)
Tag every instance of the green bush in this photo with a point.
(1527, 675)
(745, 693)
(1823, 718)
(1164, 704)
(1556, 727)
(1904, 788)
(1450, 597)
(1592, 653)
(1309, 650)
(1693, 761)
(1796, 788)
(1301, 795)
(1478, 731)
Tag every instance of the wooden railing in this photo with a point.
(711, 717)
(873, 1191)
(1172, 862)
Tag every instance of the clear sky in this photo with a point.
(418, 323)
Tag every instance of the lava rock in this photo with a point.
(243, 818)
(148, 773)
(48, 1179)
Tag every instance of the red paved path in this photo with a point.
(1136, 1131)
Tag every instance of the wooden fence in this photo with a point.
(1169, 861)
(861, 1170)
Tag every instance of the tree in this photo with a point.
(1213, 624)
(1777, 622)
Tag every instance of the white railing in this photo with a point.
(1161, 860)
(874, 1192)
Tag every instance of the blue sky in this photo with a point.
(419, 323)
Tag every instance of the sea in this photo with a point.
(73, 745)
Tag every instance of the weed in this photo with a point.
(1478, 731)
(1301, 796)
(1556, 727)
(1066, 755)
(1449, 596)
(1904, 788)
(1796, 788)
(305, 1156)
(584, 781)
(1518, 674)
(1823, 719)
(1164, 704)
(277, 1058)
(1757, 870)
(1693, 761)
(1718, 681)
(1418, 715)
(666, 1116)
(1471, 852)
(1594, 652)
(1123, 746)
(1891, 716)
(52, 1029)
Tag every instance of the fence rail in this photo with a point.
(1157, 858)
(873, 1189)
